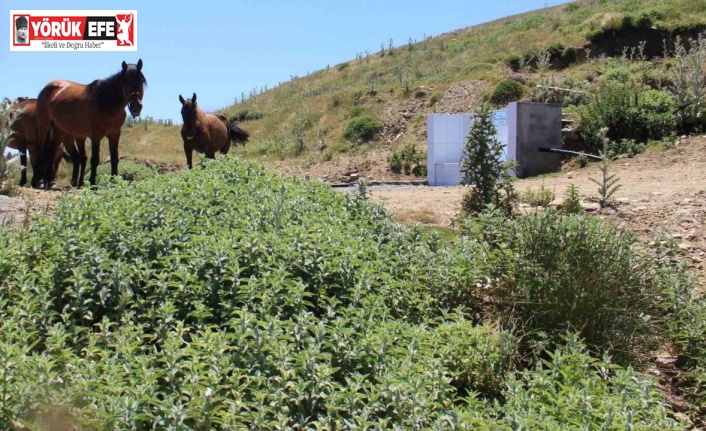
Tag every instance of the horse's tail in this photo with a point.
(236, 134)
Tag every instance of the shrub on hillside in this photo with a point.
(577, 273)
(628, 112)
(506, 91)
(362, 128)
(408, 160)
(246, 115)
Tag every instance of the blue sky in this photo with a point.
(220, 49)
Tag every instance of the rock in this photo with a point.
(640, 208)
(591, 207)
(557, 202)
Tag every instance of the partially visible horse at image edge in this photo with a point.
(23, 138)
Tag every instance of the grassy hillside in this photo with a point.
(306, 117)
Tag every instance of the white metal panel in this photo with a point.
(448, 174)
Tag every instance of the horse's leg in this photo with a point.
(188, 151)
(225, 148)
(55, 147)
(71, 149)
(36, 169)
(58, 152)
(113, 140)
(95, 149)
(81, 147)
(23, 164)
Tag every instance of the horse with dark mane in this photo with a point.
(207, 133)
(23, 138)
(96, 110)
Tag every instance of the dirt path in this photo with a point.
(17, 211)
(662, 194)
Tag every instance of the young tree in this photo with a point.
(483, 168)
(7, 117)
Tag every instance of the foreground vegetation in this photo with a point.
(231, 298)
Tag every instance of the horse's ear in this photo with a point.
(139, 64)
(124, 66)
(193, 99)
(181, 99)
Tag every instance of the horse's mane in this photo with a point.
(106, 92)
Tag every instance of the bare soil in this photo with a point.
(661, 194)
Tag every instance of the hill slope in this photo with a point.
(304, 119)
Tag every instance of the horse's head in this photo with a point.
(188, 115)
(133, 86)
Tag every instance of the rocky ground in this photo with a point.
(661, 194)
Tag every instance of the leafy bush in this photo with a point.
(216, 288)
(506, 91)
(688, 83)
(7, 118)
(362, 128)
(577, 273)
(572, 201)
(571, 387)
(128, 170)
(628, 112)
(537, 198)
(435, 98)
(246, 115)
(408, 160)
(342, 66)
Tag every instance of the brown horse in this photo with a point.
(95, 111)
(23, 138)
(207, 133)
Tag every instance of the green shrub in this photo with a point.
(577, 273)
(246, 115)
(621, 74)
(342, 66)
(356, 111)
(572, 201)
(478, 358)
(406, 159)
(505, 92)
(435, 98)
(362, 129)
(628, 112)
(537, 198)
(127, 170)
(513, 61)
(571, 387)
(572, 7)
